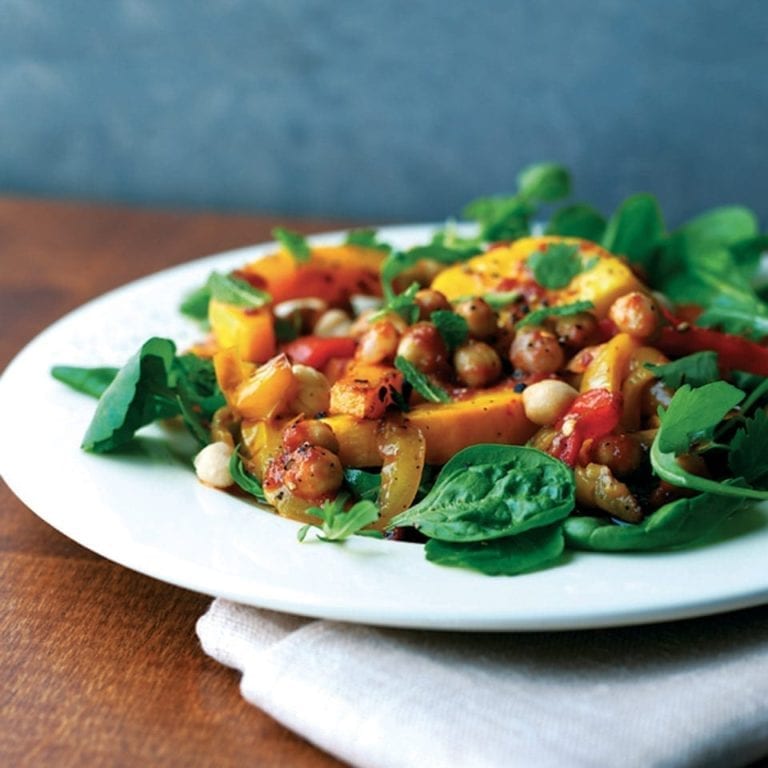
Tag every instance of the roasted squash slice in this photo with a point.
(503, 268)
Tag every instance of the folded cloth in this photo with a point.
(689, 693)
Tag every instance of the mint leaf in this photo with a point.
(555, 266)
(294, 243)
(693, 414)
(697, 369)
(233, 290)
(402, 303)
(338, 525)
(195, 303)
(366, 238)
(453, 328)
(421, 383)
(538, 316)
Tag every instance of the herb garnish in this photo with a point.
(337, 525)
(453, 328)
(294, 243)
(421, 383)
(556, 265)
(538, 316)
(233, 290)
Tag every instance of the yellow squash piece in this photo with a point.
(503, 268)
(489, 416)
(333, 273)
(250, 331)
(366, 391)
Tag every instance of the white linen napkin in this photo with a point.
(692, 693)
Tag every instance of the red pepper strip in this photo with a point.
(316, 351)
(733, 352)
(593, 414)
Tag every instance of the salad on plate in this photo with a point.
(500, 393)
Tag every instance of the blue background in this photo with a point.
(399, 110)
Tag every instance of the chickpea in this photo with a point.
(536, 350)
(482, 319)
(546, 401)
(364, 322)
(423, 346)
(635, 313)
(212, 465)
(622, 454)
(311, 432)
(430, 301)
(378, 343)
(477, 364)
(575, 331)
(314, 391)
(333, 322)
(312, 472)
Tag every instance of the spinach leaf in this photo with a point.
(453, 328)
(697, 369)
(676, 524)
(294, 243)
(89, 381)
(635, 230)
(430, 391)
(506, 556)
(578, 220)
(491, 491)
(555, 266)
(139, 394)
(544, 182)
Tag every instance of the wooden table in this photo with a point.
(100, 665)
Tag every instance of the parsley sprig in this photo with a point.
(336, 524)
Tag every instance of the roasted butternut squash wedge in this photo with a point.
(490, 416)
(250, 331)
(366, 391)
(504, 268)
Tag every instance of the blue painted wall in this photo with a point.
(399, 109)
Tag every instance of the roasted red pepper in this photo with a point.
(734, 353)
(316, 351)
(593, 414)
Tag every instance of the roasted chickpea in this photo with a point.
(314, 391)
(311, 432)
(333, 322)
(312, 472)
(378, 343)
(635, 313)
(370, 317)
(536, 350)
(482, 319)
(576, 331)
(423, 346)
(546, 401)
(477, 364)
(622, 454)
(429, 301)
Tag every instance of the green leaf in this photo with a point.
(538, 316)
(233, 290)
(245, 479)
(693, 414)
(404, 304)
(195, 303)
(676, 524)
(747, 455)
(421, 383)
(492, 491)
(89, 381)
(294, 243)
(363, 484)
(555, 266)
(501, 218)
(453, 328)
(697, 369)
(140, 393)
(339, 525)
(366, 238)
(501, 557)
(197, 392)
(748, 317)
(578, 220)
(544, 182)
(635, 230)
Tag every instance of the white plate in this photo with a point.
(146, 510)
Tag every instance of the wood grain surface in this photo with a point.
(100, 665)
